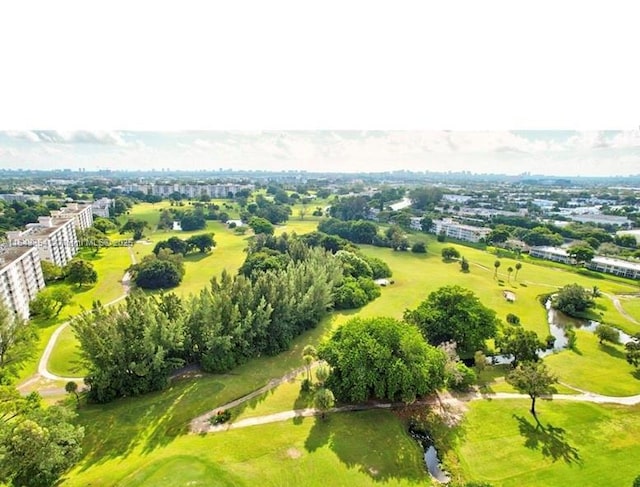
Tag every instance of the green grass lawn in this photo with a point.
(347, 449)
(110, 264)
(632, 306)
(579, 444)
(597, 368)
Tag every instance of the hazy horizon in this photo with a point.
(552, 153)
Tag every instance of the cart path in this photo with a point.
(43, 371)
(201, 424)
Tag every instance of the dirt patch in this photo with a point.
(294, 453)
(450, 408)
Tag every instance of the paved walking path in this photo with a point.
(43, 371)
(202, 425)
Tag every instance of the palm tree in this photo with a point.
(72, 387)
(518, 267)
(322, 373)
(309, 354)
(496, 264)
(509, 271)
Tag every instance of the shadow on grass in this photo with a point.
(197, 257)
(373, 442)
(549, 440)
(612, 351)
(636, 374)
(150, 421)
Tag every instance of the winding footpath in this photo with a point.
(43, 371)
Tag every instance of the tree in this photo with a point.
(261, 225)
(157, 274)
(193, 220)
(426, 224)
(496, 265)
(175, 244)
(104, 225)
(633, 352)
(204, 242)
(464, 265)
(452, 313)
(50, 301)
(606, 333)
(636, 482)
(479, 361)
(17, 342)
(71, 387)
(92, 238)
(39, 444)
(498, 235)
(80, 272)
(309, 355)
(323, 401)
(581, 253)
(322, 374)
(419, 248)
(573, 299)
(135, 347)
(51, 272)
(381, 358)
(518, 267)
(522, 344)
(450, 253)
(509, 271)
(135, 226)
(534, 379)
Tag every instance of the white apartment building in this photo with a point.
(220, 190)
(617, 267)
(55, 240)
(555, 254)
(20, 278)
(80, 213)
(101, 207)
(20, 197)
(458, 231)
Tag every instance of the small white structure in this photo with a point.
(382, 282)
(177, 226)
(238, 223)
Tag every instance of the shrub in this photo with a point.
(419, 248)
(305, 386)
(513, 319)
(222, 416)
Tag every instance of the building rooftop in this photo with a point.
(9, 254)
(624, 264)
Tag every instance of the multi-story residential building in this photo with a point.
(219, 190)
(555, 254)
(456, 230)
(55, 240)
(80, 213)
(101, 207)
(20, 278)
(617, 267)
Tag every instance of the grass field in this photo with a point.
(596, 368)
(142, 441)
(579, 444)
(344, 450)
(632, 306)
(110, 264)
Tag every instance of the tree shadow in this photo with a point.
(636, 374)
(388, 445)
(612, 351)
(549, 440)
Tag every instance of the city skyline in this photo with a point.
(552, 153)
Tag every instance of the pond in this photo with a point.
(559, 323)
(430, 454)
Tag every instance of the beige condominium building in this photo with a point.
(20, 278)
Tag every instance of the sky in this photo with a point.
(561, 153)
(496, 86)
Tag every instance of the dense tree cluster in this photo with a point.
(203, 243)
(37, 443)
(381, 358)
(161, 271)
(452, 313)
(359, 231)
(573, 300)
(130, 348)
(274, 212)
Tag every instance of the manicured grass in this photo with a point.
(596, 368)
(346, 449)
(285, 397)
(110, 264)
(632, 306)
(579, 444)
